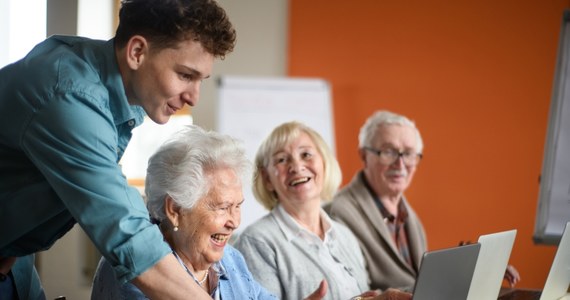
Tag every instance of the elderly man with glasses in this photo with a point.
(373, 205)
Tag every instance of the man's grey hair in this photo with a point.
(383, 117)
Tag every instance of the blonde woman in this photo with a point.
(296, 246)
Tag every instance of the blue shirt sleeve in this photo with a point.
(74, 146)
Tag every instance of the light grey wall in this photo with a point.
(260, 51)
(61, 17)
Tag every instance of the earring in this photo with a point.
(175, 228)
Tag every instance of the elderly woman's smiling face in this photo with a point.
(205, 229)
(295, 172)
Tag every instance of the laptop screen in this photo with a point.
(446, 274)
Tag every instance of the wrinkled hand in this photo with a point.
(320, 292)
(512, 276)
(394, 294)
(366, 295)
(389, 294)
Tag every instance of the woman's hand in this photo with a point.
(389, 294)
(320, 292)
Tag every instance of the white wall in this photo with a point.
(21, 28)
(95, 18)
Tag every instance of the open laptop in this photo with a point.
(446, 274)
(558, 280)
(491, 265)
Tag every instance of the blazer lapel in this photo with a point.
(371, 211)
(415, 237)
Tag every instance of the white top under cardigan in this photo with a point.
(290, 261)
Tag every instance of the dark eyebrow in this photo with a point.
(194, 72)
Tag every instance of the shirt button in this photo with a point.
(131, 123)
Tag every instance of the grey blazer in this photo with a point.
(354, 206)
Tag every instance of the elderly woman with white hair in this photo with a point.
(194, 194)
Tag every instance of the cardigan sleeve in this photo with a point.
(261, 261)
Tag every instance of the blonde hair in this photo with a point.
(277, 139)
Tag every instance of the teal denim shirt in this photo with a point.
(64, 124)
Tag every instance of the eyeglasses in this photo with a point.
(389, 156)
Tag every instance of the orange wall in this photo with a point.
(476, 76)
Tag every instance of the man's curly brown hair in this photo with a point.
(165, 23)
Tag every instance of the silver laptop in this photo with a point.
(558, 280)
(446, 274)
(491, 265)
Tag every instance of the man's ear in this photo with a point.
(172, 210)
(136, 51)
(362, 154)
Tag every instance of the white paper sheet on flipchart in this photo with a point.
(146, 139)
(250, 108)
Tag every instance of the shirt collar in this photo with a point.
(292, 229)
(402, 210)
(103, 58)
(111, 78)
(218, 267)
